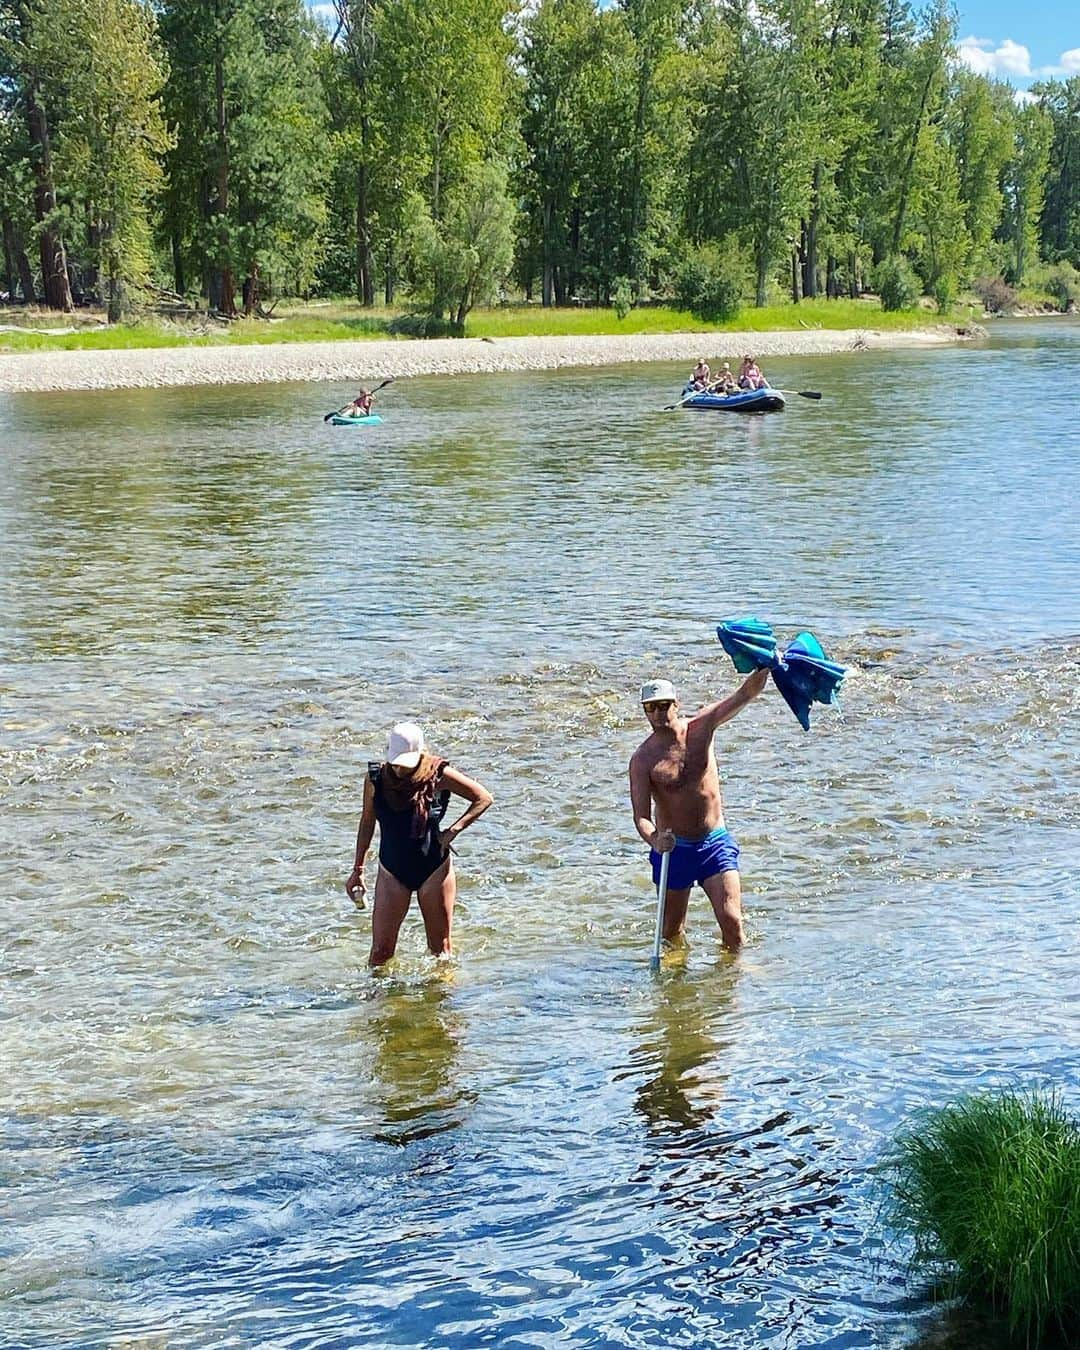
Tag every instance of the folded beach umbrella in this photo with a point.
(750, 643)
(806, 676)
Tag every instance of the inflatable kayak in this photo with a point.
(746, 400)
(372, 420)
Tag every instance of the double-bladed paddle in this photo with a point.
(337, 412)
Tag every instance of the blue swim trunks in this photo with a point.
(696, 859)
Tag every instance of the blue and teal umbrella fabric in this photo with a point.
(750, 642)
(807, 676)
(803, 673)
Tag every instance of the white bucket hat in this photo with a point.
(658, 691)
(405, 746)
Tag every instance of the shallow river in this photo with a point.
(221, 1130)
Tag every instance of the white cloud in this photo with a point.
(1008, 58)
(1022, 97)
(1068, 63)
(1011, 60)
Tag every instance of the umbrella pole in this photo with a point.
(661, 897)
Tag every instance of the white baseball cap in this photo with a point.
(405, 746)
(658, 691)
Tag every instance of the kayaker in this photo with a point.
(407, 795)
(675, 769)
(360, 406)
(701, 376)
(750, 375)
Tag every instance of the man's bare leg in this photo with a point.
(724, 890)
(675, 913)
(388, 913)
(436, 897)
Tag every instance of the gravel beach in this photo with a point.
(348, 362)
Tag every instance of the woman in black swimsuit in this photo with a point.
(407, 797)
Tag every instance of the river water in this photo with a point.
(221, 1130)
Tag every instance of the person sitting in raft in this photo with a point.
(361, 405)
(725, 381)
(750, 375)
(407, 795)
(700, 378)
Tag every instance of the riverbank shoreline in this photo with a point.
(345, 362)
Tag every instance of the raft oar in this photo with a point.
(338, 411)
(661, 898)
(670, 407)
(802, 393)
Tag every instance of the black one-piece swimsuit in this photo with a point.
(408, 860)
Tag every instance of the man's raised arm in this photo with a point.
(715, 714)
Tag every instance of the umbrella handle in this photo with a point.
(661, 898)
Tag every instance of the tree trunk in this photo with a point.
(905, 179)
(365, 271)
(92, 273)
(832, 291)
(547, 224)
(810, 236)
(853, 275)
(177, 262)
(9, 262)
(116, 298)
(251, 291)
(637, 199)
(224, 298)
(54, 276)
(390, 279)
(18, 264)
(794, 276)
(762, 268)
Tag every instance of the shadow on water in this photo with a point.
(679, 1043)
(958, 1327)
(414, 1033)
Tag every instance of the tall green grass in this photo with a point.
(347, 321)
(989, 1190)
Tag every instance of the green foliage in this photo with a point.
(1060, 221)
(989, 1190)
(709, 283)
(105, 70)
(1025, 188)
(462, 260)
(245, 199)
(1063, 283)
(249, 151)
(622, 297)
(421, 325)
(895, 281)
(978, 125)
(996, 294)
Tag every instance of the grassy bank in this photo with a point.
(342, 322)
(988, 1188)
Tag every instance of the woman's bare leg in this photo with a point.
(436, 897)
(390, 907)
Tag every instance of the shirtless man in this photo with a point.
(675, 767)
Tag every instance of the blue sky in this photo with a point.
(1020, 43)
(1015, 42)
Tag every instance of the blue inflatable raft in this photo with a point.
(372, 420)
(746, 400)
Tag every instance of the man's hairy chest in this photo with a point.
(678, 767)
